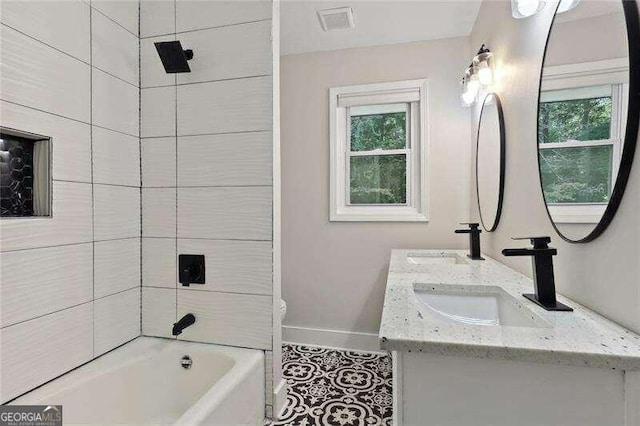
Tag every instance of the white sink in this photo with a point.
(436, 259)
(475, 305)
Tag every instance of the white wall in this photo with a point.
(70, 285)
(603, 275)
(334, 274)
(207, 154)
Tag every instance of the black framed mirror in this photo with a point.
(490, 162)
(588, 114)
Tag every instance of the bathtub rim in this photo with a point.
(245, 359)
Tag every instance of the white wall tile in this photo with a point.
(115, 104)
(236, 159)
(159, 162)
(116, 158)
(225, 213)
(35, 75)
(152, 71)
(30, 355)
(156, 17)
(114, 49)
(158, 112)
(226, 318)
(158, 311)
(159, 212)
(71, 222)
(71, 139)
(41, 20)
(124, 12)
(159, 262)
(40, 281)
(233, 266)
(116, 320)
(225, 106)
(228, 52)
(117, 266)
(195, 14)
(116, 212)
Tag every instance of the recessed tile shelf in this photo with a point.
(25, 174)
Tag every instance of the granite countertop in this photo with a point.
(578, 338)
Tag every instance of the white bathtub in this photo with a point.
(143, 382)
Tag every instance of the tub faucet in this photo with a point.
(474, 239)
(183, 323)
(543, 279)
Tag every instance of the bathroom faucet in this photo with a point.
(184, 322)
(543, 279)
(474, 239)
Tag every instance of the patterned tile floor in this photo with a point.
(331, 387)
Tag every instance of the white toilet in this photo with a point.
(283, 309)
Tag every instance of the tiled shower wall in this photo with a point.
(207, 148)
(70, 285)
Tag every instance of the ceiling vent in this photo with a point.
(336, 19)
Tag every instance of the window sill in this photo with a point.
(578, 214)
(404, 215)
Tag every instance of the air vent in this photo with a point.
(336, 19)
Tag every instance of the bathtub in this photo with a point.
(144, 382)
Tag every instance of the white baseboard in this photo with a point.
(367, 342)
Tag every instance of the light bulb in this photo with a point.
(483, 66)
(468, 98)
(485, 76)
(525, 8)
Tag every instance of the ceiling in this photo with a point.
(377, 23)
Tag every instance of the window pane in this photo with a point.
(578, 119)
(378, 179)
(386, 130)
(576, 175)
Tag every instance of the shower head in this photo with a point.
(173, 58)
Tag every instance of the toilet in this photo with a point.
(283, 309)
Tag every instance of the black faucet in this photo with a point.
(543, 279)
(184, 322)
(474, 239)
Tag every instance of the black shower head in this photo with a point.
(173, 58)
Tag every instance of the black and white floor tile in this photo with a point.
(331, 387)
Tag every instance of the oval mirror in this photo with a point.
(588, 110)
(490, 162)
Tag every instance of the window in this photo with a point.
(378, 152)
(580, 140)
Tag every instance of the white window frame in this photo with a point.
(611, 72)
(341, 99)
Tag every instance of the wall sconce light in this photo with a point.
(469, 87)
(525, 8)
(483, 66)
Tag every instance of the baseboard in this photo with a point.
(367, 342)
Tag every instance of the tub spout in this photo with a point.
(184, 322)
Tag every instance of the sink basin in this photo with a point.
(436, 259)
(475, 305)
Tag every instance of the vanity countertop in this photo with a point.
(578, 338)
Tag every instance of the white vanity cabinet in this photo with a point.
(459, 363)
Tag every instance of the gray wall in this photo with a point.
(70, 285)
(334, 274)
(603, 275)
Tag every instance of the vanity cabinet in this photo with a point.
(469, 350)
(439, 390)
